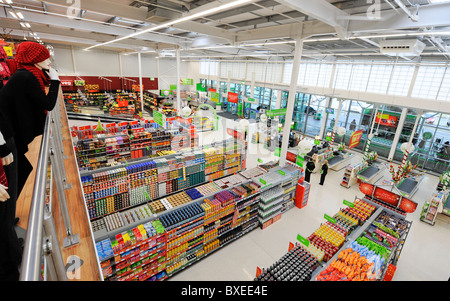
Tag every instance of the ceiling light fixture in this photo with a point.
(173, 22)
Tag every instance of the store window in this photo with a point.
(314, 112)
(432, 143)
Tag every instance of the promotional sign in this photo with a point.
(186, 81)
(215, 96)
(201, 87)
(66, 83)
(136, 88)
(290, 157)
(303, 240)
(233, 97)
(235, 134)
(355, 139)
(92, 87)
(79, 83)
(386, 119)
(212, 90)
(250, 100)
(173, 87)
(8, 50)
(122, 103)
(277, 112)
(159, 118)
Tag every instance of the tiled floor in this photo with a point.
(424, 257)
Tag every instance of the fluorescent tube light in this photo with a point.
(180, 20)
(14, 15)
(19, 14)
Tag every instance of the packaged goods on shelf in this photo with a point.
(298, 264)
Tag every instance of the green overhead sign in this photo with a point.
(277, 112)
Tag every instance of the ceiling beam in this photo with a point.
(429, 16)
(113, 9)
(322, 11)
(86, 26)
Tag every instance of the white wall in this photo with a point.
(75, 61)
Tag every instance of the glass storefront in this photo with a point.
(431, 141)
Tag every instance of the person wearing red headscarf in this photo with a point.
(24, 103)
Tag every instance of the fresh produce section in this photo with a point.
(358, 243)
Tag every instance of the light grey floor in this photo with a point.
(425, 256)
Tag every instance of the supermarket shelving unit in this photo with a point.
(431, 207)
(360, 231)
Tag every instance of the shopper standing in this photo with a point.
(309, 169)
(323, 172)
(23, 107)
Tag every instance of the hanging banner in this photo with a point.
(79, 83)
(66, 83)
(159, 118)
(277, 112)
(355, 139)
(212, 90)
(215, 96)
(136, 88)
(201, 87)
(186, 81)
(8, 50)
(233, 97)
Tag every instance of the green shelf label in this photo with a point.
(329, 218)
(350, 204)
(262, 181)
(260, 161)
(303, 240)
(281, 172)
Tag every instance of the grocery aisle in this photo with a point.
(422, 258)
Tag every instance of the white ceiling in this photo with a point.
(88, 23)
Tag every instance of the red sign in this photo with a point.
(233, 97)
(355, 139)
(386, 119)
(66, 83)
(122, 103)
(291, 246)
(235, 134)
(258, 271)
(291, 157)
(212, 90)
(390, 272)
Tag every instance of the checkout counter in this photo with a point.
(409, 186)
(371, 173)
(337, 159)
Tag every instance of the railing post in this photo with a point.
(56, 163)
(58, 150)
(51, 250)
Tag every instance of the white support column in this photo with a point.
(252, 89)
(291, 99)
(278, 101)
(398, 132)
(74, 63)
(141, 88)
(178, 106)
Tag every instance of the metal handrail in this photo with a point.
(32, 253)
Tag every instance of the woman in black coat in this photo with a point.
(23, 109)
(323, 172)
(309, 169)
